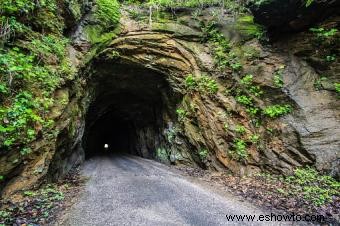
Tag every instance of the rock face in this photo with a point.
(156, 87)
(294, 15)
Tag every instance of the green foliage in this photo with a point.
(322, 33)
(190, 82)
(21, 119)
(3, 89)
(244, 100)
(254, 138)
(27, 84)
(330, 58)
(240, 129)
(181, 3)
(181, 113)
(309, 2)
(207, 85)
(203, 154)
(250, 53)
(49, 46)
(260, 2)
(239, 151)
(221, 48)
(108, 12)
(9, 28)
(253, 111)
(17, 7)
(27, 87)
(203, 84)
(246, 25)
(318, 83)
(162, 154)
(337, 87)
(4, 216)
(255, 90)
(234, 62)
(317, 188)
(25, 151)
(247, 80)
(277, 78)
(275, 111)
(248, 84)
(42, 202)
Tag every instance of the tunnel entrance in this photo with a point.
(130, 108)
(110, 134)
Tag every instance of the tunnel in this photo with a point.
(129, 108)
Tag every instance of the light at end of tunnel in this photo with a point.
(106, 146)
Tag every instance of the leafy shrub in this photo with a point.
(190, 82)
(325, 40)
(181, 3)
(253, 111)
(323, 33)
(221, 47)
(207, 85)
(318, 83)
(254, 138)
(244, 100)
(17, 6)
(247, 80)
(309, 2)
(239, 151)
(108, 12)
(49, 46)
(240, 129)
(337, 87)
(203, 154)
(162, 154)
(277, 78)
(203, 84)
(317, 188)
(277, 110)
(181, 113)
(33, 83)
(21, 119)
(330, 58)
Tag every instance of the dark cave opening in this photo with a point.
(110, 134)
(129, 109)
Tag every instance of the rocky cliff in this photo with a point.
(200, 85)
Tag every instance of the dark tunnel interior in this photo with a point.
(128, 112)
(111, 133)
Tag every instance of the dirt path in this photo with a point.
(128, 190)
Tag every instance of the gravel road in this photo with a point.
(128, 190)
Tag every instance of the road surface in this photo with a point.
(128, 190)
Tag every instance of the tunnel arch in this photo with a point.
(129, 108)
(135, 85)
